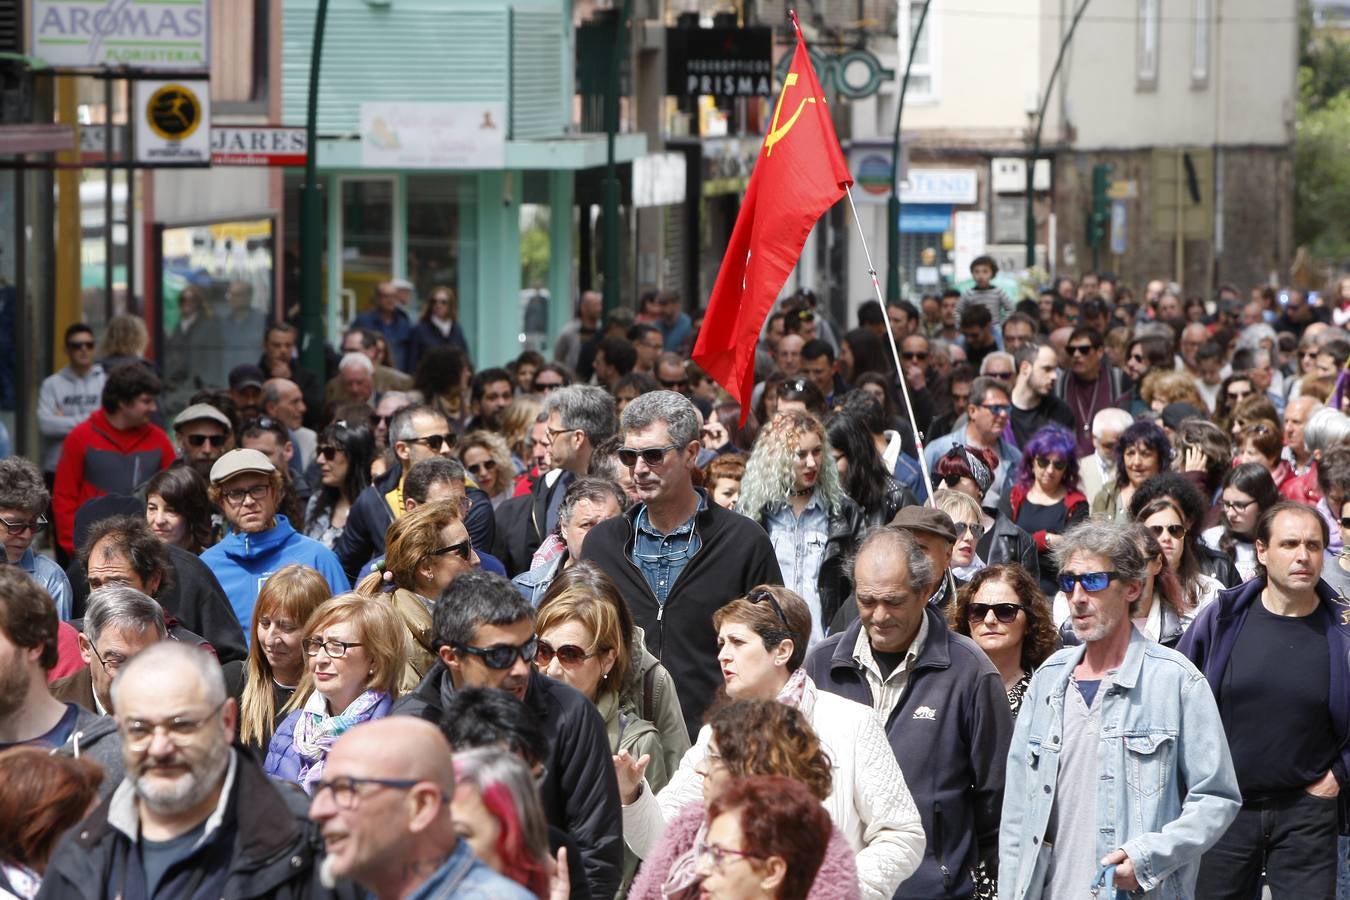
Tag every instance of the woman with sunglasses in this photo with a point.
(1046, 501)
(1142, 451)
(968, 520)
(487, 459)
(178, 511)
(750, 739)
(791, 488)
(343, 456)
(355, 652)
(762, 640)
(426, 550)
(437, 326)
(1004, 611)
(1262, 442)
(1167, 523)
(1247, 490)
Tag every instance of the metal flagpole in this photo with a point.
(895, 352)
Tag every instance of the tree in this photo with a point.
(1321, 161)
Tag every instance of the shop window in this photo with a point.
(1146, 60)
(1201, 13)
(240, 52)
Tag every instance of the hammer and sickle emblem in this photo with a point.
(776, 134)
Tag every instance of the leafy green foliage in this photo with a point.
(1322, 142)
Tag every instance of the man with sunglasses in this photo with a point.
(1090, 385)
(1274, 651)
(23, 507)
(203, 433)
(483, 632)
(675, 557)
(69, 396)
(988, 412)
(194, 817)
(1118, 774)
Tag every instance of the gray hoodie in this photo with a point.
(96, 737)
(64, 401)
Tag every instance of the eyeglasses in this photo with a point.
(998, 409)
(334, 648)
(1091, 581)
(1306, 354)
(266, 423)
(1004, 612)
(1236, 506)
(327, 453)
(215, 440)
(567, 654)
(89, 345)
(652, 456)
(138, 733)
(17, 528)
(719, 856)
(1345, 523)
(345, 788)
(914, 357)
(554, 432)
(1003, 375)
(975, 528)
(1176, 531)
(487, 465)
(111, 663)
(464, 549)
(762, 596)
(501, 656)
(236, 496)
(1059, 465)
(1080, 349)
(434, 441)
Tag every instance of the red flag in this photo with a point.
(800, 173)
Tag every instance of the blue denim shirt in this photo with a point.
(1166, 790)
(662, 557)
(799, 543)
(463, 877)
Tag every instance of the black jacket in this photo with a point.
(896, 497)
(579, 790)
(846, 528)
(522, 524)
(265, 845)
(1217, 564)
(362, 538)
(734, 556)
(1011, 544)
(950, 733)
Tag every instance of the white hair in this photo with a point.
(1110, 419)
(357, 361)
(997, 355)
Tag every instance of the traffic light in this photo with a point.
(1100, 218)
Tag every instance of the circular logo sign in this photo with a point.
(174, 112)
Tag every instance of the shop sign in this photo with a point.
(925, 218)
(721, 62)
(135, 34)
(459, 135)
(960, 187)
(173, 123)
(854, 74)
(258, 145)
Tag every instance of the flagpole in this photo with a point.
(895, 352)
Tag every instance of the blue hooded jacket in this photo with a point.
(242, 562)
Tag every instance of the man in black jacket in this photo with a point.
(675, 557)
(940, 701)
(194, 817)
(483, 632)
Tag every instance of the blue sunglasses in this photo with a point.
(1091, 581)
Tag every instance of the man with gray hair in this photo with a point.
(1097, 470)
(1128, 793)
(675, 557)
(579, 417)
(193, 817)
(119, 623)
(938, 697)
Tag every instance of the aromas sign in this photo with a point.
(146, 35)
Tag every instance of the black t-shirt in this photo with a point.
(157, 857)
(1275, 704)
(887, 662)
(1026, 422)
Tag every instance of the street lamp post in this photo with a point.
(311, 216)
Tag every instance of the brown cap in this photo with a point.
(926, 518)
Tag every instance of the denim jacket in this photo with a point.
(463, 877)
(1166, 790)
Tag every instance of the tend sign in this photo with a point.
(147, 35)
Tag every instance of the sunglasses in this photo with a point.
(1345, 524)
(215, 440)
(327, 453)
(1059, 465)
(435, 441)
(1091, 581)
(652, 456)
(914, 357)
(1006, 613)
(487, 465)
(951, 479)
(998, 409)
(1137, 357)
(976, 529)
(1080, 349)
(1005, 376)
(464, 549)
(1176, 531)
(568, 654)
(545, 386)
(1239, 395)
(763, 596)
(17, 528)
(672, 385)
(89, 345)
(377, 421)
(501, 656)
(797, 385)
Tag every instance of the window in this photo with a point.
(239, 55)
(923, 74)
(1147, 63)
(1200, 38)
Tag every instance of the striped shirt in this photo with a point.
(999, 304)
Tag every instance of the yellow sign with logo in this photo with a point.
(173, 123)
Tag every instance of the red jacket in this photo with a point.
(1075, 510)
(99, 459)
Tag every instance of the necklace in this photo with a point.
(803, 492)
(1084, 415)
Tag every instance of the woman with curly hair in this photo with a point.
(1142, 451)
(861, 471)
(1004, 611)
(1161, 389)
(1248, 490)
(748, 738)
(1047, 501)
(810, 521)
(762, 640)
(487, 459)
(177, 509)
(343, 456)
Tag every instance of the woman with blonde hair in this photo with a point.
(1161, 389)
(124, 341)
(966, 516)
(497, 811)
(426, 549)
(517, 421)
(276, 662)
(356, 650)
(487, 459)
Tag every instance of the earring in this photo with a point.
(370, 673)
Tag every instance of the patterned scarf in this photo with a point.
(316, 731)
(792, 692)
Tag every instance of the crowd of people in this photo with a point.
(1060, 607)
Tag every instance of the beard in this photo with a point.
(14, 684)
(188, 790)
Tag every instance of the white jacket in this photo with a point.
(64, 401)
(869, 801)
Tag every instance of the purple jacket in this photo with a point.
(282, 762)
(836, 880)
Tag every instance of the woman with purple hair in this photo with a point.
(1046, 499)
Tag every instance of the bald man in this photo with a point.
(383, 808)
